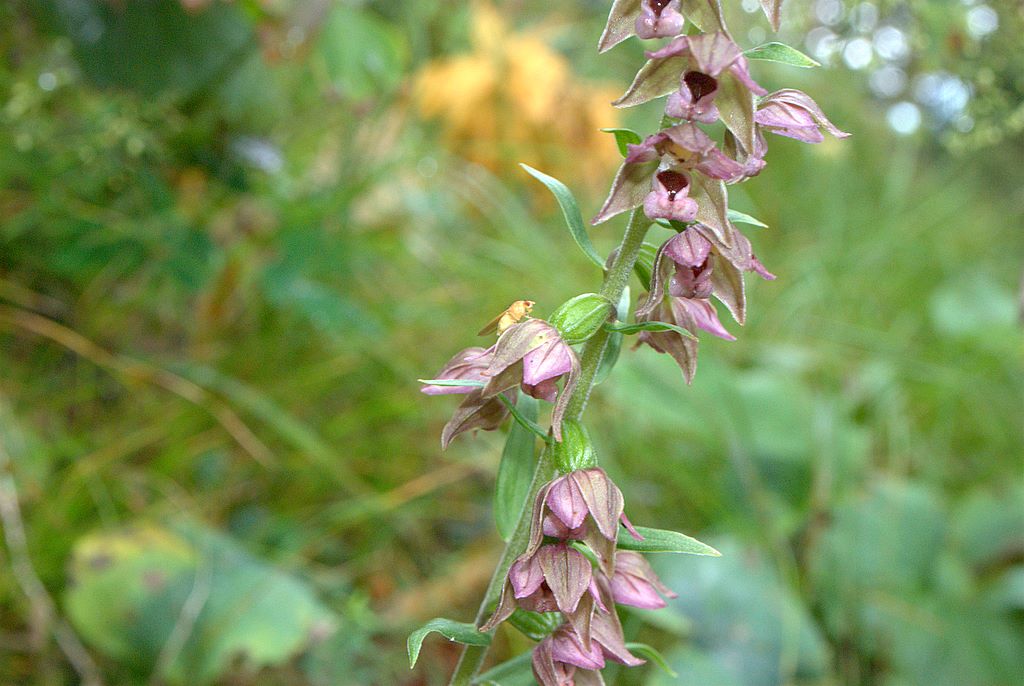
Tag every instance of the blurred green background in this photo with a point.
(233, 235)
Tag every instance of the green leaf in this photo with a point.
(460, 632)
(515, 469)
(630, 329)
(782, 53)
(737, 217)
(571, 211)
(662, 541)
(624, 137)
(614, 347)
(132, 586)
(462, 383)
(514, 672)
(644, 650)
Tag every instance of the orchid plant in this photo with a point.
(572, 554)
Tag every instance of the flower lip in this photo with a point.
(700, 84)
(673, 181)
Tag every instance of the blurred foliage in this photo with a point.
(229, 245)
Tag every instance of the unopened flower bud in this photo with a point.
(575, 451)
(581, 317)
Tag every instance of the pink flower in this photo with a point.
(792, 113)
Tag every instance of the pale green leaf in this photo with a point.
(571, 212)
(662, 541)
(737, 217)
(781, 53)
(624, 137)
(650, 653)
(630, 329)
(515, 469)
(459, 632)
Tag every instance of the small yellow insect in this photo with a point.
(515, 313)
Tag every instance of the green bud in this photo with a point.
(535, 625)
(581, 317)
(575, 451)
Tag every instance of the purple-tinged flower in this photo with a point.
(555, 570)
(690, 258)
(468, 365)
(695, 99)
(635, 583)
(670, 197)
(711, 54)
(564, 655)
(668, 156)
(479, 410)
(752, 161)
(687, 146)
(659, 19)
(532, 354)
(792, 113)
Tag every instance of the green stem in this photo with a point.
(615, 281)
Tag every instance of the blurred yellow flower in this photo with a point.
(515, 99)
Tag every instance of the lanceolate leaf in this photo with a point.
(624, 137)
(515, 469)
(571, 211)
(614, 347)
(782, 53)
(737, 217)
(644, 650)
(630, 329)
(460, 632)
(468, 383)
(662, 541)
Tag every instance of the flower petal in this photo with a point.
(603, 498)
(567, 573)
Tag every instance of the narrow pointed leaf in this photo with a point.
(630, 329)
(516, 469)
(662, 541)
(460, 632)
(614, 347)
(470, 383)
(571, 212)
(737, 217)
(644, 650)
(781, 53)
(624, 137)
